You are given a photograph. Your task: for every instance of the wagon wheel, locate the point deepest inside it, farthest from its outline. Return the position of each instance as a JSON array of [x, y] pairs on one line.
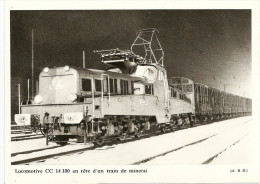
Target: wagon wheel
[[209, 119]]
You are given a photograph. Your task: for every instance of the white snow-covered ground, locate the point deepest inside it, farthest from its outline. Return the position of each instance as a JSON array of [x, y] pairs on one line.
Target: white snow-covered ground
[[17, 133], [61, 149], [237, 154], [128, 153], [201, 152], [26, 145]]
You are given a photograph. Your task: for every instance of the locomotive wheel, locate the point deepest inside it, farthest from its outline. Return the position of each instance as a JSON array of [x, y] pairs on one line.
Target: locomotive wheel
[[196, 121], [138, 134], [191, 123], [173, 126], [62, 141], [163, 129], [147, 125], [99, 141], [121, 137], [187, 121]]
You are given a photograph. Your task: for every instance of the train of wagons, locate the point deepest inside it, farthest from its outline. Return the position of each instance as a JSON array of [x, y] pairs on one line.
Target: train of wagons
[[129, 98]]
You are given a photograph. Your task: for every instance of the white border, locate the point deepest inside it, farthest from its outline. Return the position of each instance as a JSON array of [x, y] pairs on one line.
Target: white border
[[168, 173], [1, 91]]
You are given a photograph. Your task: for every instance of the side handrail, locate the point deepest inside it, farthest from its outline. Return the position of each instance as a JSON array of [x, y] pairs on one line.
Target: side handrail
[[102, 91], [93, 98]]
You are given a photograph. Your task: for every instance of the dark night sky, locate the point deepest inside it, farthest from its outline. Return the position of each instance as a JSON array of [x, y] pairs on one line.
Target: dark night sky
[[212, 47]]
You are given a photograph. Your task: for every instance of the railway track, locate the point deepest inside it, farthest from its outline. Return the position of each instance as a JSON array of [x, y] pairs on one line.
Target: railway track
[[171, 150], [207, 160], [38, 158], [26, 137], [51, 155], [32, 151], [109, 142]]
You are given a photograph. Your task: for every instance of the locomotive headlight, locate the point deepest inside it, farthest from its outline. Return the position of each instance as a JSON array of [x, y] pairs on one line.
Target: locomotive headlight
[[46, 69], [66, 68], [72, 97], [38, 99]]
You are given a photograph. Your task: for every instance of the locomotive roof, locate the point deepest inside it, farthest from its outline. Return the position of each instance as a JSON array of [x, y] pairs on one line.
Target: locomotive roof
[[201, 84], [97, 72], [221, 91]]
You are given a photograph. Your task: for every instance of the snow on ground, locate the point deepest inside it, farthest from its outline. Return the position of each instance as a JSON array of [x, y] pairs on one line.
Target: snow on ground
[[131, 152], [32, 144], [25, 134], [237, 154], [201, 152], [19, 146], [72, 146]]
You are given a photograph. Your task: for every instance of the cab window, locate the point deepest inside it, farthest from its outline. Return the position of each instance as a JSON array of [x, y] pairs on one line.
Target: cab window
[[180, 96], [86, 84], [132, 87], [113, 85], [124, 87], [149, 89], [173, 93], [98, 85]]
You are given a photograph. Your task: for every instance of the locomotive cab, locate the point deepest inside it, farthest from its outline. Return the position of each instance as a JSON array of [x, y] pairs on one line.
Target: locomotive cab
[[57, 85]]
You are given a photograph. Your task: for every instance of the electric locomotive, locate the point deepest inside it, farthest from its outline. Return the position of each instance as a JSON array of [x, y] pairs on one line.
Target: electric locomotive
[[129, 98]]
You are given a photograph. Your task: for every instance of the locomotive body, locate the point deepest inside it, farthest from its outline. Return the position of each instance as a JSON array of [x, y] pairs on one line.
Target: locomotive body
[[76, 100]]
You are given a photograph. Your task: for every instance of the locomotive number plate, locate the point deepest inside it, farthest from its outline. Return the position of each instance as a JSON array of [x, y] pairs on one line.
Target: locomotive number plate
[[56, 84], [143, 102]]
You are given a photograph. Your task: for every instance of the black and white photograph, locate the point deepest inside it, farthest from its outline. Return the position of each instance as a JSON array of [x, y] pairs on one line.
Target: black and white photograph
[[134, 87]]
